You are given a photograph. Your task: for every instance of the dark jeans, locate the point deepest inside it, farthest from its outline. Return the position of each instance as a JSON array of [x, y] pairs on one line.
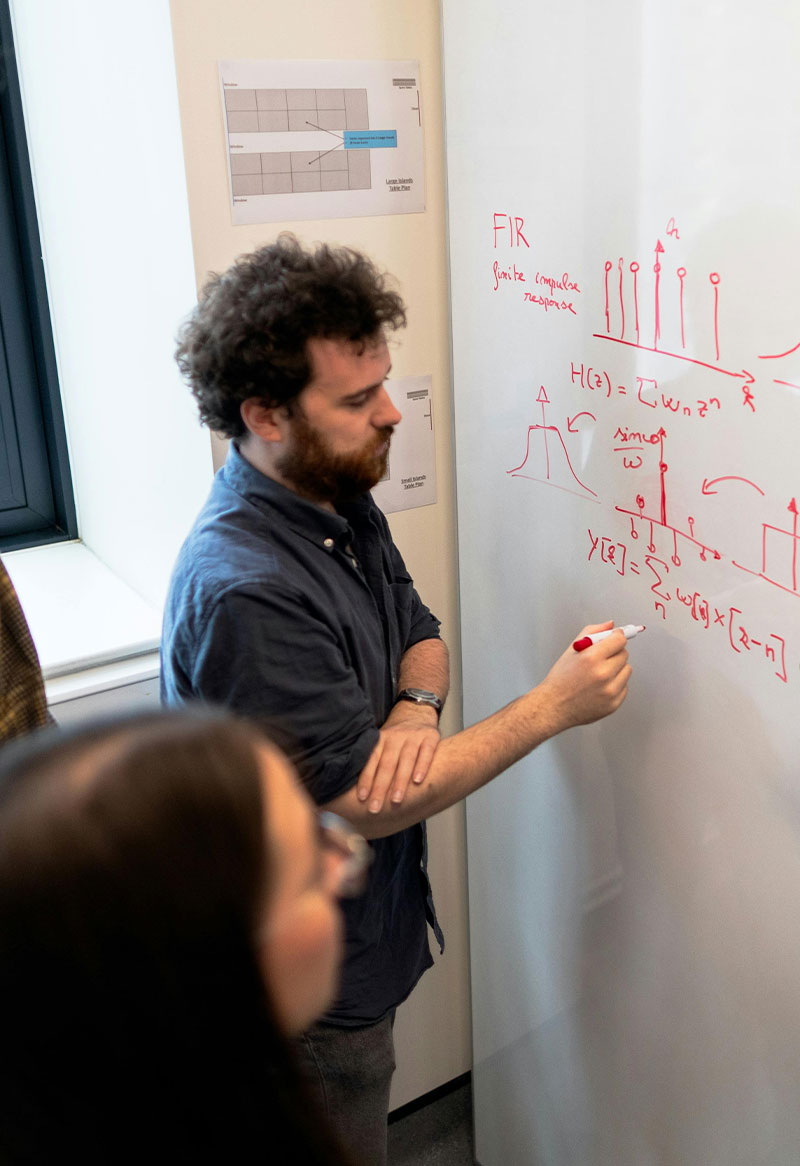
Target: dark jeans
[[350, 1070]]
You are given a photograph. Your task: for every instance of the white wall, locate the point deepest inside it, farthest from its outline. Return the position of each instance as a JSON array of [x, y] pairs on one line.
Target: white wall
[[433, 1036], [99, 97]]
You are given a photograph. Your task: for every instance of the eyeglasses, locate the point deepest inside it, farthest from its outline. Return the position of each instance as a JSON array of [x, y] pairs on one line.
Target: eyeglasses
[[338, 837]]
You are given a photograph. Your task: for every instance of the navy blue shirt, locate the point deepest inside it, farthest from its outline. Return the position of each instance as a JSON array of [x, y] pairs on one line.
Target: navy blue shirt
[[299, 618]]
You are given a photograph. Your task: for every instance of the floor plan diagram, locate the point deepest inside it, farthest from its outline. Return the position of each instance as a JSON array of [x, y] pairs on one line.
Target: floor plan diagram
[[322, 139], [339, 113]]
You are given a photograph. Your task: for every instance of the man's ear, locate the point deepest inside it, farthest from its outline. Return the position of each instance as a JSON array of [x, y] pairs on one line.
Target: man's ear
[[269, 422]]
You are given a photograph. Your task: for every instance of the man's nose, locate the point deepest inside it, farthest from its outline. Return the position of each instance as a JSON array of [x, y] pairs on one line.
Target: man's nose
[[385, 413]]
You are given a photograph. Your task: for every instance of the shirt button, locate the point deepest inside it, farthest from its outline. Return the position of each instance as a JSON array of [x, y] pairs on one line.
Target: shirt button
[[328, 544]]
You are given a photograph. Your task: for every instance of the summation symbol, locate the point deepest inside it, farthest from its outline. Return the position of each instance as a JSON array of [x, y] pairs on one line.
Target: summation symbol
[[538, 456], [671, 594]]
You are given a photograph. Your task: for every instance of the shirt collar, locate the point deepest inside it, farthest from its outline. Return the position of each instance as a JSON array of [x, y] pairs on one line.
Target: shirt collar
[[308, 519]]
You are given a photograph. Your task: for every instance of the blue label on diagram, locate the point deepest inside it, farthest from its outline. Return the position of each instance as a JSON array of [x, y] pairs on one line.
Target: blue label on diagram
[[370, 139]]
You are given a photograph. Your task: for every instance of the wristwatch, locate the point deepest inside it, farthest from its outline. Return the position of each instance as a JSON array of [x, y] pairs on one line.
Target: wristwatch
[[421, 696]]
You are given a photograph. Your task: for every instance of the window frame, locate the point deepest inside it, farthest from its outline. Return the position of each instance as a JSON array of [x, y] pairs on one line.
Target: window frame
[[31, 410]]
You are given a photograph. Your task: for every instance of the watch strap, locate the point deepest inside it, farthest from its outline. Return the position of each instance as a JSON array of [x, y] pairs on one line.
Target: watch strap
[[421, 696]]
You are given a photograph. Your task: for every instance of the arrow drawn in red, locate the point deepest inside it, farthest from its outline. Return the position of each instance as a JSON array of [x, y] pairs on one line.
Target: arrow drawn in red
[[707, 484], [571, 421]]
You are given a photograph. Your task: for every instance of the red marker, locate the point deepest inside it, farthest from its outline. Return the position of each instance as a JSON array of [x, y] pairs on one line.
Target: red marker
[[630, 630]]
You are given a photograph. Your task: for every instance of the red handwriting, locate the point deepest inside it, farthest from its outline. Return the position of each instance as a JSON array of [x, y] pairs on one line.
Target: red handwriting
[[608, 266], [547, 303], [657, 270], [507, 273], [561, 472], [714, 280], [598, 380], [780, 355], [670, 598], [779, 546], [681, 277], [667, 286], [743, 374], [709, 482], [674, 405], [639, 516], [632, 442], [590, 378], [624, 434], [503, 223], [564, 283], [571, 421], [635, 273]]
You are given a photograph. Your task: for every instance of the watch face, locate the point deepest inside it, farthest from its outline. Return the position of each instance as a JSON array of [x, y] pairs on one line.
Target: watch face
[[420, 695]]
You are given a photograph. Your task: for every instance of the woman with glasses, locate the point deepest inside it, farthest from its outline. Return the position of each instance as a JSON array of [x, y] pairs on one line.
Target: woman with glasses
[[168, 923]]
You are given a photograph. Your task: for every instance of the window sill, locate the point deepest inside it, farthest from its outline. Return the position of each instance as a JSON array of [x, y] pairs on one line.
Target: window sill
[[82, 616]]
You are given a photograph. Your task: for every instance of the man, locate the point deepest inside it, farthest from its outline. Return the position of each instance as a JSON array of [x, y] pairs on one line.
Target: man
[[291, 604]]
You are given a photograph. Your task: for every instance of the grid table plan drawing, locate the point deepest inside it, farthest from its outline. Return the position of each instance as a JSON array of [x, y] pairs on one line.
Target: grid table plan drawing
[[322, 139], [335, 112]]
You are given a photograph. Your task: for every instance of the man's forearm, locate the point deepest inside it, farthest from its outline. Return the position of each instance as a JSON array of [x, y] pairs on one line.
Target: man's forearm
[[462, 764], [426, 665], [409, 736], [576, 691]]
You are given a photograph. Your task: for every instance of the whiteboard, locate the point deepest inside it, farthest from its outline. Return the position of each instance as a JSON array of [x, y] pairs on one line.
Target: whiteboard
[[624, 205]]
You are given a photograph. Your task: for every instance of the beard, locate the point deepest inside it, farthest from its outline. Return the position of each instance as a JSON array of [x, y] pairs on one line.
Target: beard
[[311, 467]]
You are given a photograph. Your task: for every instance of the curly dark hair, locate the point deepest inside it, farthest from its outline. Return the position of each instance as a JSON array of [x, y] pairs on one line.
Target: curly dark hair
[[247, 336]]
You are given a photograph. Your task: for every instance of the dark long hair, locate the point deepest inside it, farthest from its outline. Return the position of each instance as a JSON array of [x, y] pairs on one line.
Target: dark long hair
[[134, 1021]]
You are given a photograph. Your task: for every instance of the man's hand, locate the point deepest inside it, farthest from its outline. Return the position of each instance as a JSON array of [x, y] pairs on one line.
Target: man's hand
[[585, 686], [405, 749]]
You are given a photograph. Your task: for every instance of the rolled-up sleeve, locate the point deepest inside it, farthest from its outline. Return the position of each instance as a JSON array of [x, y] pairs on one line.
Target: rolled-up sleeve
[[418, 620], [265, 654]]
